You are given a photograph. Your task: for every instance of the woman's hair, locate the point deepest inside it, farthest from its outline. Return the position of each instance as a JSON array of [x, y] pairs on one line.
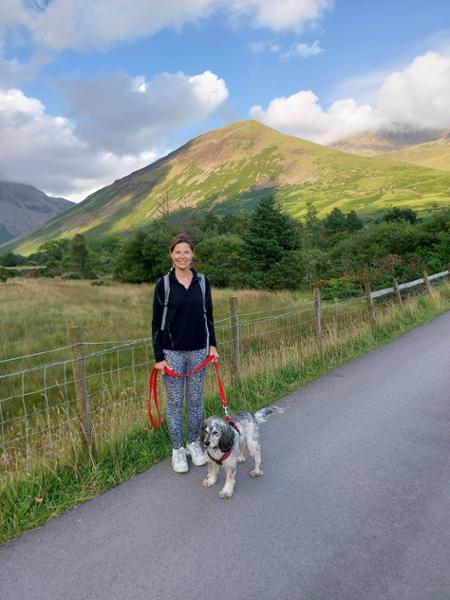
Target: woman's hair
[[180, 239]]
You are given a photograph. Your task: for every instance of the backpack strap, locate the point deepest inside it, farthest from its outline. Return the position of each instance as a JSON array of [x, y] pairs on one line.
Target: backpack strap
[[203, 288], [166, 300]]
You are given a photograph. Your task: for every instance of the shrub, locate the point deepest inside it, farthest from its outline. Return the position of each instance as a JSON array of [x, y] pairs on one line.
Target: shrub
[[339, 288]]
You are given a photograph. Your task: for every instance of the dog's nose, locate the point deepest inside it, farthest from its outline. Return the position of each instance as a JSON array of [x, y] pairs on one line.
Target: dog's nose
[[206, 443]]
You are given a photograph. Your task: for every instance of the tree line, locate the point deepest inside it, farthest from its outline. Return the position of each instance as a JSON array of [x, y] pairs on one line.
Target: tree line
[[264, 248]]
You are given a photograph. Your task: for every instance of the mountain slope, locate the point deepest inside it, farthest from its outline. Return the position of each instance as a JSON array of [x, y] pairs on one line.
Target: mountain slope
[[23, 208], [434, 154], [229, 168], [371, 143]]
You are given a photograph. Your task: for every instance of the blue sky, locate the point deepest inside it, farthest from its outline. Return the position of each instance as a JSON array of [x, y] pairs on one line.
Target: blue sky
[[93, 89]]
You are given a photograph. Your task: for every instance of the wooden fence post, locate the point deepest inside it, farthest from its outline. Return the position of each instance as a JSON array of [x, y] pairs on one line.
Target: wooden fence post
[[317, 315], [370, 304], [81, 389], [235, 350], [398, 295], [427, 282]]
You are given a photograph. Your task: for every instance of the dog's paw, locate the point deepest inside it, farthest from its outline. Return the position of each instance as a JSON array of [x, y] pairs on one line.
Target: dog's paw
[[224, 493], [256, 473], [208, 482]]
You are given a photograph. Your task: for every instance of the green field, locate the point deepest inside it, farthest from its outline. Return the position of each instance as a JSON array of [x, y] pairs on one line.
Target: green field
[[36, 314]]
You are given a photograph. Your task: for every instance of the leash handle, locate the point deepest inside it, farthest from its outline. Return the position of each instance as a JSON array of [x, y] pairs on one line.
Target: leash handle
[[153, 389], [198, 368]]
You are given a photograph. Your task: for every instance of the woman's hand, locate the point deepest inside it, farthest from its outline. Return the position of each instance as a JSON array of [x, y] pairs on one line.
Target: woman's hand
[[213, 352], [161, 365]]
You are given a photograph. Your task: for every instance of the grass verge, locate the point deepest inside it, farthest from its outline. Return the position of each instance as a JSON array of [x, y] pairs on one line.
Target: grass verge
[[32, 498]]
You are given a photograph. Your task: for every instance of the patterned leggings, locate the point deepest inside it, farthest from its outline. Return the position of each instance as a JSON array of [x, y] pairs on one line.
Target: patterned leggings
[[183, 361]]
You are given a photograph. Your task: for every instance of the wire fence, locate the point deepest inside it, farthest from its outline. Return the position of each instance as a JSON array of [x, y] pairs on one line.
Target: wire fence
[[44, 416]]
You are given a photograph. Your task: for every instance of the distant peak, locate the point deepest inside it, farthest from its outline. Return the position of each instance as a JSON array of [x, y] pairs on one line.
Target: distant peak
[[245, 125]]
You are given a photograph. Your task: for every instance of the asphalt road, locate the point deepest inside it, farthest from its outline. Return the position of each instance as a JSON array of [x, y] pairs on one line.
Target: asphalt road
[[354, 504]]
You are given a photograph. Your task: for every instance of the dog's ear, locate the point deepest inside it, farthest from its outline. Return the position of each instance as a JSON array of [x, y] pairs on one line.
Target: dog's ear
[[226, 438]]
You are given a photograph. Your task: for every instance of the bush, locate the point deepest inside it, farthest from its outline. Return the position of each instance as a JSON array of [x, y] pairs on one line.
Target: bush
[[288, 273], [341, 289], [220, 258]]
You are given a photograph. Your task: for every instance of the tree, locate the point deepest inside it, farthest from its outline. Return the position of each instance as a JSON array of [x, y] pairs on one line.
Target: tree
[[287, 274], [12, 260], [155, 253], [400, 214], [220, 258], [315, 263], [268, 236], [80, 259], [144, 257], [312, 227], [354, 223], [335, 221], [209, 224], [53, 253], [130, 265]]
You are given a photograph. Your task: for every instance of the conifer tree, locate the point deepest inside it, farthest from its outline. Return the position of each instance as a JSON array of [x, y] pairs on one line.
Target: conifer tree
[[269, 235]]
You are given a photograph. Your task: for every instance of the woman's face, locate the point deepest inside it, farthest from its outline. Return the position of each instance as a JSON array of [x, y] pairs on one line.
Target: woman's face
[[182, 256]]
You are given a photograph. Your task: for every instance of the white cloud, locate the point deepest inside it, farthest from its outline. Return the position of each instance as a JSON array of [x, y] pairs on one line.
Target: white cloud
[[86, 24], [301, 115], [420, 94], [11, 12], [114, 129], [123, 115], [303, 50], [83, 24], [281, 15], [416, 97], [299, 49]]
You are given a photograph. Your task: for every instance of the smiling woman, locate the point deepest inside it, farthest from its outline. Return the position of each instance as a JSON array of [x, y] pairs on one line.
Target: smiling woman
[[183, 336]]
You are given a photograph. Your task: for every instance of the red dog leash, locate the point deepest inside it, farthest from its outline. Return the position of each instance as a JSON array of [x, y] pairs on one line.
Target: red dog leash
[[153, 388]]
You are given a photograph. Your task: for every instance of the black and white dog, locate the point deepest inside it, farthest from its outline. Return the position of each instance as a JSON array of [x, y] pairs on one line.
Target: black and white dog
[[226, 443]]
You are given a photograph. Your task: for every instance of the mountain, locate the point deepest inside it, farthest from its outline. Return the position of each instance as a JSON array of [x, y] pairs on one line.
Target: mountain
[[426, 148], [435, 154], [231, 167], [23, 208], [371, 143]]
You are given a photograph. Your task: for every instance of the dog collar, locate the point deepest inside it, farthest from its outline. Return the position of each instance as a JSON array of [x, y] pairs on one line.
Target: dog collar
[[220, 460]]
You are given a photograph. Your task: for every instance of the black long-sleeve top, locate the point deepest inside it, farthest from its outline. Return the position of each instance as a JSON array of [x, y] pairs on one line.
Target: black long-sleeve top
[[185, 327]]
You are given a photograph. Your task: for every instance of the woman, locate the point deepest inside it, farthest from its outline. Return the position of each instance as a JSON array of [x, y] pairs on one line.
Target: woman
[[183, 336]]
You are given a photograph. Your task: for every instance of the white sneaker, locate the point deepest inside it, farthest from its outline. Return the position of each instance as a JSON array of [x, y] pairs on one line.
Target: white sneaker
[[198, 455], [179, 461]]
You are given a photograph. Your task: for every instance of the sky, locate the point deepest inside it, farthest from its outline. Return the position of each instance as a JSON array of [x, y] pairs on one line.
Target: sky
[[91, 90]]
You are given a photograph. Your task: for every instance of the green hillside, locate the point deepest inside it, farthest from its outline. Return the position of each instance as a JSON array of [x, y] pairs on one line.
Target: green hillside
[[435, 155], [229, 168]]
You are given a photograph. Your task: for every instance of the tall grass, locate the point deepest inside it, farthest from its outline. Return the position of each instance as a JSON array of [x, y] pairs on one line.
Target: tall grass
[[278, 356], [38, 410]]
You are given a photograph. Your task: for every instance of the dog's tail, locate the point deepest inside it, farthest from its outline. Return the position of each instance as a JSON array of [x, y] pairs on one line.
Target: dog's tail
[[261, 415]]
